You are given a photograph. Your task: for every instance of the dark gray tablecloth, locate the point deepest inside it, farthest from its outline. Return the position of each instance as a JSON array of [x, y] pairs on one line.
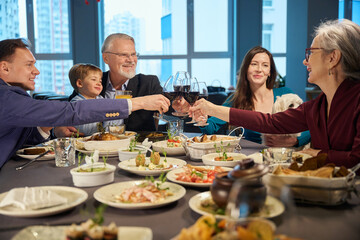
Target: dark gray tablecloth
[[304, 221]]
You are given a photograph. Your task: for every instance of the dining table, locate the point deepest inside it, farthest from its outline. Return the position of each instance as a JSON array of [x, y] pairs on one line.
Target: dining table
[[300, 220]]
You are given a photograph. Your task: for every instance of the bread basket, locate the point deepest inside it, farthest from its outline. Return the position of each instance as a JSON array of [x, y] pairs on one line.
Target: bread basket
[[313, 190], [195, 150]]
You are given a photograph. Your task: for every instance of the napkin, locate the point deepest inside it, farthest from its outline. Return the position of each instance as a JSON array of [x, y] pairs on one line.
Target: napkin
[[93, 158], [32, 198], [147, 143]]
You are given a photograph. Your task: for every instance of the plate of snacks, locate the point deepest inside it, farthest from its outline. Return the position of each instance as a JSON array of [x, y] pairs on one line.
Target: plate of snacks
[[211, 228], [142, 194], [203, 204], [151, 166], [314, 181], [195, 176], [85, 230], [33, 152]]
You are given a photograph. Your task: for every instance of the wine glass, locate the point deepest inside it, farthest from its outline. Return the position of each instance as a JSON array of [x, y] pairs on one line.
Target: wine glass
[[192, 95], [181, 85], [203, 90], [169, 93]]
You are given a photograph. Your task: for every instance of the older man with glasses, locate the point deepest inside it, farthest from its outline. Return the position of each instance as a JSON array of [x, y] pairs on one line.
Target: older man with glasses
[[118, 52]]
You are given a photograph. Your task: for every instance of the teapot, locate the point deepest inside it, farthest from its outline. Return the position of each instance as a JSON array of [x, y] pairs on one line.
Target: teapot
[[252, 190]]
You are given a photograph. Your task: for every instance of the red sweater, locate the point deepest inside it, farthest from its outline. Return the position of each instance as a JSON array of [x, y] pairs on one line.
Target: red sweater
[[338, 136]]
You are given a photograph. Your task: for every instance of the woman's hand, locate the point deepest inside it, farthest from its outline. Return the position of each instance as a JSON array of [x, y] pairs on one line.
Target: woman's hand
[[203, 108]]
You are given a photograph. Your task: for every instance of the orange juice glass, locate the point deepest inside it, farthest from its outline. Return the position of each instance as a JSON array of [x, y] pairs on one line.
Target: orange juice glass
[[121, 94]]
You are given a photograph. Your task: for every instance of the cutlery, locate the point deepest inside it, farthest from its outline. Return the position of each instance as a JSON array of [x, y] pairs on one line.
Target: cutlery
[[33, 160]]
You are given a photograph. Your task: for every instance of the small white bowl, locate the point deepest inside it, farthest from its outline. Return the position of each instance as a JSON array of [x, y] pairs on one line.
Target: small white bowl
[[126, 155], [91, 179], [209, 159]]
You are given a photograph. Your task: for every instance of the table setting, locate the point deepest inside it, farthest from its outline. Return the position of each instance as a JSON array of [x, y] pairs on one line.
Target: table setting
[[189, 183]]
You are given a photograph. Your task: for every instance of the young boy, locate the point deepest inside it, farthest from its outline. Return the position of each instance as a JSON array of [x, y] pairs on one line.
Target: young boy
[[86, 78]]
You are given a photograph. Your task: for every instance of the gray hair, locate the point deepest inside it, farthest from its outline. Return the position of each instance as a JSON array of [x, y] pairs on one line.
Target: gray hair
[[109, 40], [343, 35]]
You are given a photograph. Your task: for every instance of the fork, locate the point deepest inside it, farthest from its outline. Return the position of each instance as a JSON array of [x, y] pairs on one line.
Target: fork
[[33, 160]]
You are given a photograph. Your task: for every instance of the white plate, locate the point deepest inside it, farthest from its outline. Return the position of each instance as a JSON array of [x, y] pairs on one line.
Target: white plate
[[209, 159], [48, 156], [172, 177], [75, 197], [58, 233], [161, 146], [106, 195], [272, 208], [130, 166], [101, 153]]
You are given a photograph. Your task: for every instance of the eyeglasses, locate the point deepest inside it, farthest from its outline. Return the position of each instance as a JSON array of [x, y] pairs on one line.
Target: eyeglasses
[[308, 52], [126, 55]]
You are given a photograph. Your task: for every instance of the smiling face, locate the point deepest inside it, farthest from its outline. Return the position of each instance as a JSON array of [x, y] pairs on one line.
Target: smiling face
[[20, 70], [259, 69], [124, 67], [90, 86], [316, 64]]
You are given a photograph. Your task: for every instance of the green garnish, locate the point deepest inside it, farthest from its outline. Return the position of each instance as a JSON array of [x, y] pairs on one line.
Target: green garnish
[[99, 214]]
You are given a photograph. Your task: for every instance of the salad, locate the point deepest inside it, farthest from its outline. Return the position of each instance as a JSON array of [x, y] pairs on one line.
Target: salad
[[197, 174], [148, 191]]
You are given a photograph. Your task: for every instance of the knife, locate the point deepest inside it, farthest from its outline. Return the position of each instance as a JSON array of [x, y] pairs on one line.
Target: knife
[[33, 160]]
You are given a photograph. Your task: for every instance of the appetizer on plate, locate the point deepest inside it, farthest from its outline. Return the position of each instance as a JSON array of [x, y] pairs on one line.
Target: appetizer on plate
[[91, 230], [154, 163], [146, 192], [207, 227], [174, 142], [32, 152], [198, 174]]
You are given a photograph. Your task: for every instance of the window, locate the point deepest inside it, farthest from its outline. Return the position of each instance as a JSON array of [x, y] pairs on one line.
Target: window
[[49, 34], [267, 3], [12, 20], [274, 32], [177, 35], [356, 11], [266, 35], [350, 9]]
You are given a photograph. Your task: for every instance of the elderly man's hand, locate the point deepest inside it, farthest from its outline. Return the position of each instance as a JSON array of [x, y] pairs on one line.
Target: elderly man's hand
[[152, 103], [66, 132]]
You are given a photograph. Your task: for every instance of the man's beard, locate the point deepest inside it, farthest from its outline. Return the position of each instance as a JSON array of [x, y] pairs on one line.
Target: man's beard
[[129, 74]]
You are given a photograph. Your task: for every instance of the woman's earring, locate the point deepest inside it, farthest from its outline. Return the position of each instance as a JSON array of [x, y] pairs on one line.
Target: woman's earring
[[329, 72]]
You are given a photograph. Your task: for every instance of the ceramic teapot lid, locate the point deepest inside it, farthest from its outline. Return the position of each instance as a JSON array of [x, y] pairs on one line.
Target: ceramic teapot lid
[[248, 169]]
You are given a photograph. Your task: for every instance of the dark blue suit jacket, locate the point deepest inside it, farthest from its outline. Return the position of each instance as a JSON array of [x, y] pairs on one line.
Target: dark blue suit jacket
[[20, 115]]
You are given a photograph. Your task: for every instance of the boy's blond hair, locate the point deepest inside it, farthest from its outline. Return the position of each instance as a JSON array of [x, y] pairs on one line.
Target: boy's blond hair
[[80, 71]]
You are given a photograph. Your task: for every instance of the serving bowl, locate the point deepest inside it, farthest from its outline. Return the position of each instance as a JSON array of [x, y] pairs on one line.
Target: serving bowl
[[125, 154], [195, 150], [83, 176], [312, 190], [103, 145]]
